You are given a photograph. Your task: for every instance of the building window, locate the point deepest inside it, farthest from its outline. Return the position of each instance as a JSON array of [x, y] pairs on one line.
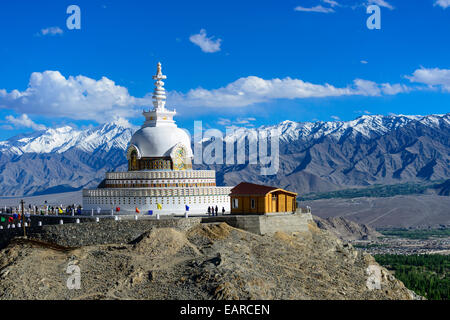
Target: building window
[[252, 201], [235, 203]]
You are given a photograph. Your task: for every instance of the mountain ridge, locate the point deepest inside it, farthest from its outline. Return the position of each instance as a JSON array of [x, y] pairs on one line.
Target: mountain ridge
[[314, 156]]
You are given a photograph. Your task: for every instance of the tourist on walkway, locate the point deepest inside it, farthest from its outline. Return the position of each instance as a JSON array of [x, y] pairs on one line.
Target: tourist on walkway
[[217, 211], [223, 210], [209, 211]]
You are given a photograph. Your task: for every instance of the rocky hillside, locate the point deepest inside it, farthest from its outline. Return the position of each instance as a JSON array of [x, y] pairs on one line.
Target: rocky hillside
[[345, 229], [314, 157], [443, 189], [212, 261]]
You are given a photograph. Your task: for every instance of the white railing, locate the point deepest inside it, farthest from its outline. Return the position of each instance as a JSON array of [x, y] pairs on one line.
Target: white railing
[[130, 175]]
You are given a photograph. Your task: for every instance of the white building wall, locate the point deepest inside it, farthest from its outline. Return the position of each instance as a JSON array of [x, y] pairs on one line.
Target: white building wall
[[170, 205], [172, 199]]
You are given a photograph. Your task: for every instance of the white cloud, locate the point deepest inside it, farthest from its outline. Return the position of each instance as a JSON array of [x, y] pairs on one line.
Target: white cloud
[[356, 5], [364, 62], [335, 118], [245, 120], [207, 45], [381, 3], [363, 111], [24, 122], [224, 122], [367, 88], [229, 123], [250, 90], [52, 31], [370, 88], [331, 3], [125, 123], [442, 3], [82, 98], [318, 8], [432, 77], [393, 89]]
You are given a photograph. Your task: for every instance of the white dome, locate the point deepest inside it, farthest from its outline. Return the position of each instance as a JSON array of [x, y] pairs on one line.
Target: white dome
[[153, 142]]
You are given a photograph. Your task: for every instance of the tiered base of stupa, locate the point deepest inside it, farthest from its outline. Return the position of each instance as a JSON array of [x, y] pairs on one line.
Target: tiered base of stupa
[[164, 192]]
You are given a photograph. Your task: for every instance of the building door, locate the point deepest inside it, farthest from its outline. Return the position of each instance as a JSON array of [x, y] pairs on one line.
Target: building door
[[274, 203]]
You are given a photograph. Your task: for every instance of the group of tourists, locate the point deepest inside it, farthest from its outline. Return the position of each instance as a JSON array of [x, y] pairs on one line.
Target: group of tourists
[[215, 211]]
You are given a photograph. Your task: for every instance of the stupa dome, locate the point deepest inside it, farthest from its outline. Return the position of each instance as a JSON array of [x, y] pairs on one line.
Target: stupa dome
[[155, 142]]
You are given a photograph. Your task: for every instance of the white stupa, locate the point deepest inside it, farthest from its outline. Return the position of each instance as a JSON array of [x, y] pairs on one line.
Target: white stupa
[[160, 178]]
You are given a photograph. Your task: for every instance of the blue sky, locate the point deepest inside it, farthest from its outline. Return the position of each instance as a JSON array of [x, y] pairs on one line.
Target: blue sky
[[227, 62]]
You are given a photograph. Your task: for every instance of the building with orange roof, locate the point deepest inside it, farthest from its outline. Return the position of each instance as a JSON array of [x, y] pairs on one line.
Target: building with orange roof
[[250, 198]]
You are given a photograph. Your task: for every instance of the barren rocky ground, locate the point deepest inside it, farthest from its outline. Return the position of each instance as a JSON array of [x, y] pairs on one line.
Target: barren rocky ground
[[209, 261], [345, 229]]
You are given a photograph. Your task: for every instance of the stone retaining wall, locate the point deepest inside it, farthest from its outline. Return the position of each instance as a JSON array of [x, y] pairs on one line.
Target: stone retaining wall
[[266, 224]]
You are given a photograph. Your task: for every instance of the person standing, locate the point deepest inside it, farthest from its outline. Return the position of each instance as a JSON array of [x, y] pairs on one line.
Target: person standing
[[223, 210], [217, 210], [209, 211]]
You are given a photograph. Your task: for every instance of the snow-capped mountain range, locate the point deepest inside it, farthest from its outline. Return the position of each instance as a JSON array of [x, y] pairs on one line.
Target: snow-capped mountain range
[[366, 126], [60, 140], [314, 156]]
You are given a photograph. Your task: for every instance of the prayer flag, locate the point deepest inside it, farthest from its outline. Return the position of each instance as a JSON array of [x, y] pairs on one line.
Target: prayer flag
[[159, 206]]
